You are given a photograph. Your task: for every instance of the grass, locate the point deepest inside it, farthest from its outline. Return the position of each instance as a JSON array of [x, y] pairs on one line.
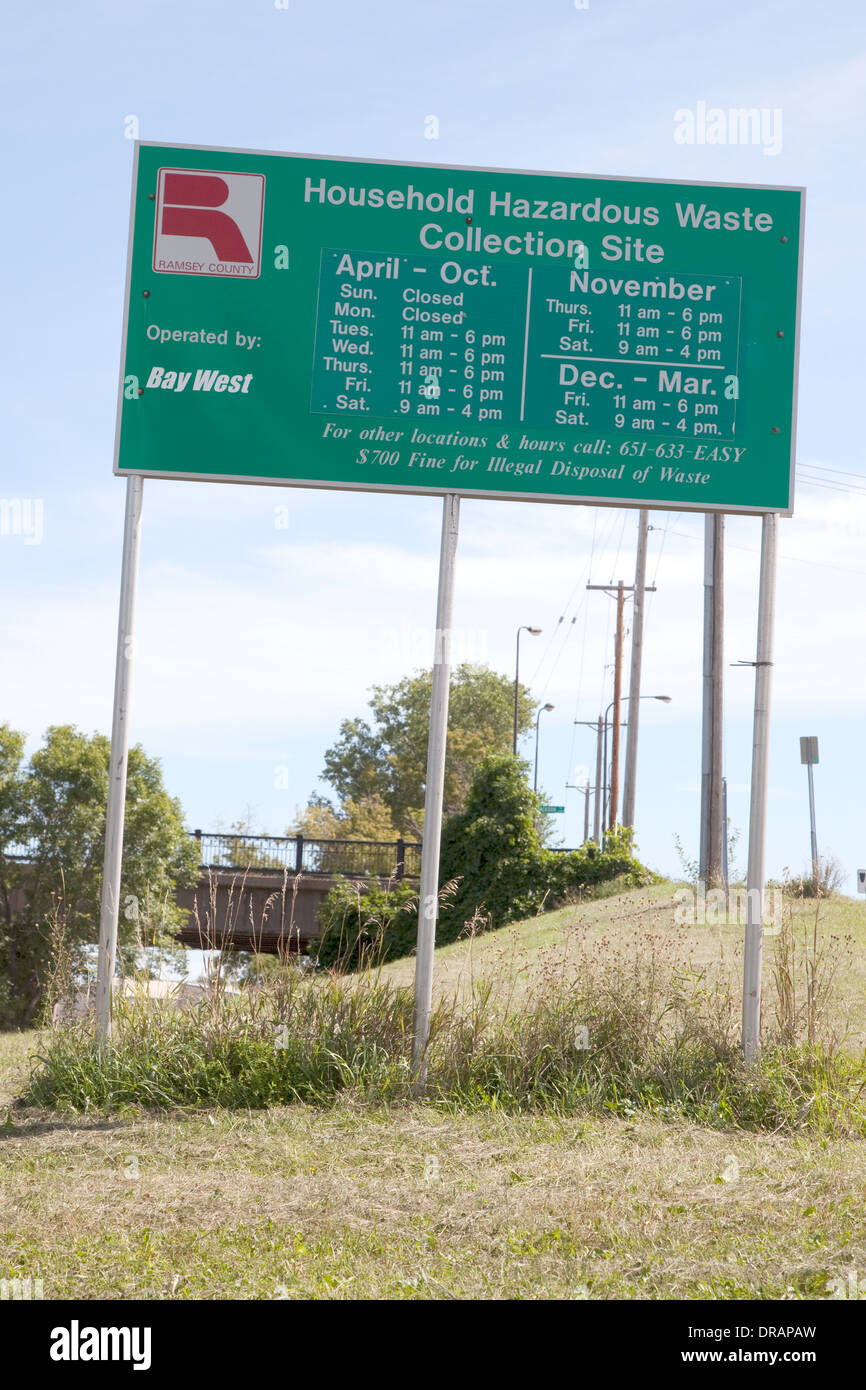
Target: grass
[[365, 1197], [415, 1203]]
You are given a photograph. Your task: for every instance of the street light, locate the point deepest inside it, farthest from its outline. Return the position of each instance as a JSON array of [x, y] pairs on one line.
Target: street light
[[537, 718], [534, 632]]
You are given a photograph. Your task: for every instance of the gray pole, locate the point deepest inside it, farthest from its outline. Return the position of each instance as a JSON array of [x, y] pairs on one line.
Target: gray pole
[[110, 909], [812, 825], [628, 798], [599, 791], [758, 803], [586, 813], [428, 902], [516, 688], [604, 776], [726, 873], [707, 715], [715, 830]]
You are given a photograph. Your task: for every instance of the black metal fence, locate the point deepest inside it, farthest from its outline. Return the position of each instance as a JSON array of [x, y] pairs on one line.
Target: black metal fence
[[296, 854]]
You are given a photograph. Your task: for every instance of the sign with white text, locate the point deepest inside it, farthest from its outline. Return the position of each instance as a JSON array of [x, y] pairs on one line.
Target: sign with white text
[[423, 328]]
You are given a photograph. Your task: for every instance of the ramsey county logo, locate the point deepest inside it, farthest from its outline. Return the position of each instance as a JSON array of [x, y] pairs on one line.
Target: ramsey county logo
[[208, 223]]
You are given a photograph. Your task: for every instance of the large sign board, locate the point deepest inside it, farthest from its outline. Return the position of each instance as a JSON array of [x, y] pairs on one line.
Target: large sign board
[[423, 328]]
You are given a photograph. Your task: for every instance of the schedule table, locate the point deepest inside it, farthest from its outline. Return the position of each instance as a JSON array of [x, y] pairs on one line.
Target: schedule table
[[613, 350]]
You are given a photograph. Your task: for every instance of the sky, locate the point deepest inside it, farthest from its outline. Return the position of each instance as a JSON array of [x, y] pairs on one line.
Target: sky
[[255, 638]]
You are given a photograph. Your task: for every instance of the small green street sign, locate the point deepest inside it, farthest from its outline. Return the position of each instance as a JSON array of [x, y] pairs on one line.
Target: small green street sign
[[551, 810], [425, 328]]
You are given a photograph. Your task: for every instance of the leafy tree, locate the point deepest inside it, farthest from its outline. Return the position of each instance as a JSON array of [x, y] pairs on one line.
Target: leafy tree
[[493, 846], [367, 819], [387, 758], [52, 812]]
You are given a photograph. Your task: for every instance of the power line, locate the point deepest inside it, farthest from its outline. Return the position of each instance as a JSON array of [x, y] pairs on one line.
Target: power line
[[825, 468]]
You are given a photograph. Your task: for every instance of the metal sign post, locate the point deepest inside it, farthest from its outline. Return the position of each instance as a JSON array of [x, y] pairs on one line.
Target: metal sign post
[[118, 759], [809, 756], [758, 803], [428, 901]]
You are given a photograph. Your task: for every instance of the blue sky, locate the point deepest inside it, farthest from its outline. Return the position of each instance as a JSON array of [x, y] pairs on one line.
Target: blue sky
[[254, 641]]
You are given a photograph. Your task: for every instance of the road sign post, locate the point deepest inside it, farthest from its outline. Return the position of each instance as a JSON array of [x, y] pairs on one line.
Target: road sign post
[[115, 814], [756, 874], [809, 756], [428, 899]]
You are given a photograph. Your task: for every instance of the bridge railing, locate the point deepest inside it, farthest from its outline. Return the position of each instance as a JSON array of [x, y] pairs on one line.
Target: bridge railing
[[296, 854]]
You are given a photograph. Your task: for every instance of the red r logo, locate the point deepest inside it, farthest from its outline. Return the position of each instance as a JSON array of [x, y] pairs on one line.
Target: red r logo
[[190, 203]]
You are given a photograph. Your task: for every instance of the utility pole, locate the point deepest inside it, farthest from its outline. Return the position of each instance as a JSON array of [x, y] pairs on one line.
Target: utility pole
[[628, 798], [712, 815], [620, 590], [617, 699]]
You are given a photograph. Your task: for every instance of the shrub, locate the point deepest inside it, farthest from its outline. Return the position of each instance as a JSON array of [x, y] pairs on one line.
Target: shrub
[[494, 851], [365, 923]]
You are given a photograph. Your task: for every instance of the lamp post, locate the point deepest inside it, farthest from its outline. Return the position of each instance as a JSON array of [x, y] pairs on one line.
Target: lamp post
[[544, 708], [614, 787], [534, 632]]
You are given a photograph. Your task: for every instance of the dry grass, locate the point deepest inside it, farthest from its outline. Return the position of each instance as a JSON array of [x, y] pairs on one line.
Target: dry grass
[[520, 956], [415, 1204]]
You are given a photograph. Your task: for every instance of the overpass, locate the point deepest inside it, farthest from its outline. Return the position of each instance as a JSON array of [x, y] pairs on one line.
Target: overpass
[[262, 892]]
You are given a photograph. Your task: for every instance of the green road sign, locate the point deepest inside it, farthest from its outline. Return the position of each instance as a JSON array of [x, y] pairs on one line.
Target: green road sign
[[422, 328], [551, 810]]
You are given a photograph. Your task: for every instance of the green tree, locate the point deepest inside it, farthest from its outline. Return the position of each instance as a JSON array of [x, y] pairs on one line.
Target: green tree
[[387, 758], [493, 847], [52, 812], [367, 819]]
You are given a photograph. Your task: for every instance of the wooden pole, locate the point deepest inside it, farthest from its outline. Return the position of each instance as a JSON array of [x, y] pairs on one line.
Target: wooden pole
[[617, 703], [630, 783]]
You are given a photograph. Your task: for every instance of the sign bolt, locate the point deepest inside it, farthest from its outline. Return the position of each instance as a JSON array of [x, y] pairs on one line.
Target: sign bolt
[[780, 334], [781, 238], [145, 294], [775, 429]]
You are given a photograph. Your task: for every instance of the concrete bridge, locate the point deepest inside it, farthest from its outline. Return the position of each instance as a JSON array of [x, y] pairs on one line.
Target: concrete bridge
[[262, 892]]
